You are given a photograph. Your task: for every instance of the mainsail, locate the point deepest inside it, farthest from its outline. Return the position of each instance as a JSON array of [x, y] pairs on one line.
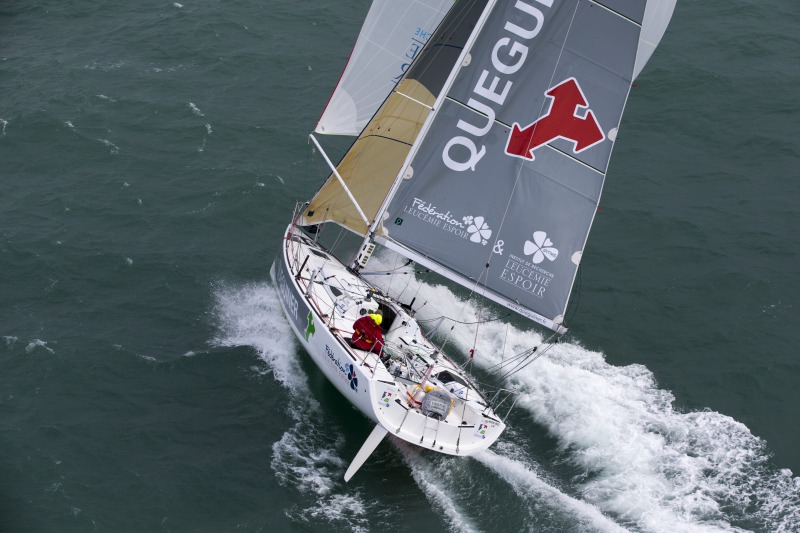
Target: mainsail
[[487, 161], [392, 35]]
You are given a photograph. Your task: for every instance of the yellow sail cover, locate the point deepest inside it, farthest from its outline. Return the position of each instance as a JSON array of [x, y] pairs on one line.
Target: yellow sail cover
[[373, 162]]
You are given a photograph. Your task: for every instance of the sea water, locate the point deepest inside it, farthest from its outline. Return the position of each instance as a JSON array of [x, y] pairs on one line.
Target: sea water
[[151, 154]]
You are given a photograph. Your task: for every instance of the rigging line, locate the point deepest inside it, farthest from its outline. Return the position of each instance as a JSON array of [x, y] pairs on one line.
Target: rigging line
[[517, 361], [505, 342], [305, 176], [446, 338], [338, 239], [390, 271], [324, 282], [461, 322], [475, 338], [527, 361], [318, 233], [481, 309], [522, 364], [497, 366], [408, 282], [479, 306], [577, 300], [493, 387], [522, 354], [416, 294], [463, 337], [472, 291], [393, 273]]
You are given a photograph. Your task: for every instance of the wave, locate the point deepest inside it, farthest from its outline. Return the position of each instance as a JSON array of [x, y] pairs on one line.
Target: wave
[[644, 462], [529, 485], [308, 457], [305, 458], [38, 345], [432, 478]]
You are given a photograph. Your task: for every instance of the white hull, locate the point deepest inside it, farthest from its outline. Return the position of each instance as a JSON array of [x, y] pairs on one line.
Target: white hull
[[321, 299]]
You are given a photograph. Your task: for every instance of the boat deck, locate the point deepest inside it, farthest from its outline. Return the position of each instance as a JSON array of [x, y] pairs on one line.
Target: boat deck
[[432, 397]]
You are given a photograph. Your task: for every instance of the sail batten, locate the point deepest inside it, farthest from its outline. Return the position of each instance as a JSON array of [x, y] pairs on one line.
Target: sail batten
[[633, 10], [415, 100], [622, 14]]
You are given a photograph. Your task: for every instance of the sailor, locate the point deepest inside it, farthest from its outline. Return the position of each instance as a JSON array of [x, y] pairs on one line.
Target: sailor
[[367, 333]]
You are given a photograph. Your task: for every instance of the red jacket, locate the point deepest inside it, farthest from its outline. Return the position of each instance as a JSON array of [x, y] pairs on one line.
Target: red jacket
[[367, 335]]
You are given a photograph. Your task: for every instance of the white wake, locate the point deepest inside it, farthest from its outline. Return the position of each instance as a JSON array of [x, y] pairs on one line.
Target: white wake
[[650, 466], [308, 457]]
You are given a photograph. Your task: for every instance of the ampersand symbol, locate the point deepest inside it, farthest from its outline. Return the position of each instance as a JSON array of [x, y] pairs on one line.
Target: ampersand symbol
[[498, 247]]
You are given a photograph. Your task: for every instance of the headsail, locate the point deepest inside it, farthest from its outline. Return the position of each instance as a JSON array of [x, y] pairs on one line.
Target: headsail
[[392, 35], [657, 15], [505, 183], [375, 159]]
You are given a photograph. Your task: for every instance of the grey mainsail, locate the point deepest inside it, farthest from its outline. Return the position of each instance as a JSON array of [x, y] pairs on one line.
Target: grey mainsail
[[505, 183]]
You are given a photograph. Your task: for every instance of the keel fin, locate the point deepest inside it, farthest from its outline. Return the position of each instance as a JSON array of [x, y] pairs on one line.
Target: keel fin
[[366, 450]]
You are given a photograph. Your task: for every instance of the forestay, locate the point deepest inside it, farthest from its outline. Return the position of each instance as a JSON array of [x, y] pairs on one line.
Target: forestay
[[392, 35], [504, 182]]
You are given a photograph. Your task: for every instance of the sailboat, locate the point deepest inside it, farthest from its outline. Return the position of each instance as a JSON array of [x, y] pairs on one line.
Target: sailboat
[[483, 131]]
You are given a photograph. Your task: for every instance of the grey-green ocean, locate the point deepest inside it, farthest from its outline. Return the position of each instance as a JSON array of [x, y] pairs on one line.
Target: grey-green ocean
[[151, 154]]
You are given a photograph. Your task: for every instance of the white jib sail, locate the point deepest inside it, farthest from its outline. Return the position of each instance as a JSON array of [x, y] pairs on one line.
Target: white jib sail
[[657, 15], [393, 33]]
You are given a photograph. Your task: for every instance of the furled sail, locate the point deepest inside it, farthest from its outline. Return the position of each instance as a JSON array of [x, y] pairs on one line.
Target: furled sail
[[503, 184], [657, 15], [375, 159], [392, 35]]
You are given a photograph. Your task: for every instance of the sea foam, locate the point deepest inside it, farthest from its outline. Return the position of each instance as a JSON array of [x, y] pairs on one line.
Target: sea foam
[[306, 457], [646, 463]]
